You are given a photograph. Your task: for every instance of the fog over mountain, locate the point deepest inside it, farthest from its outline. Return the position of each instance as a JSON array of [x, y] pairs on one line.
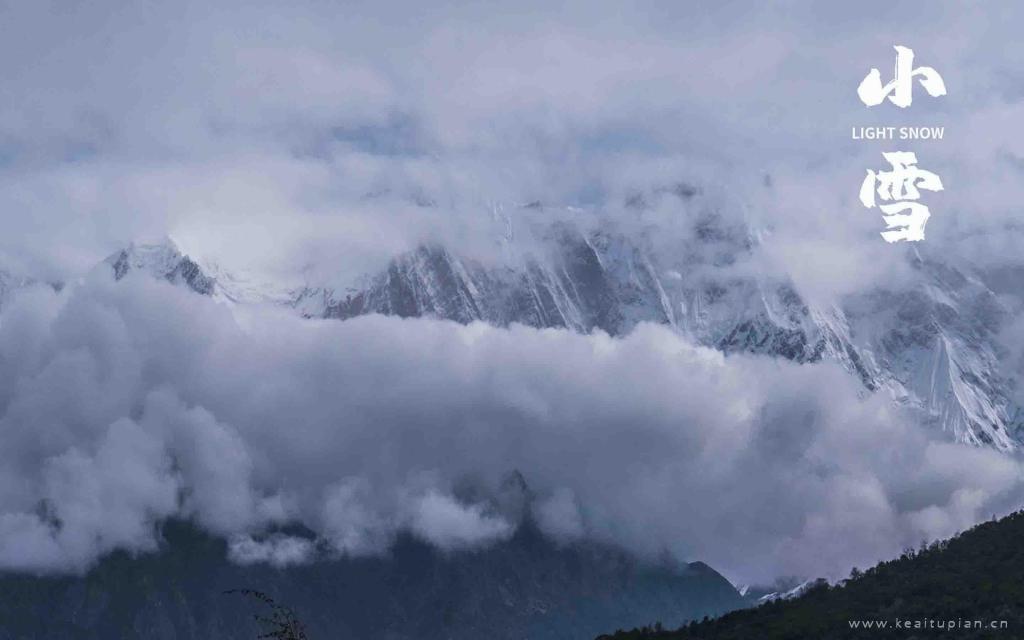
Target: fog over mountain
[[129, 401], [419, 251]]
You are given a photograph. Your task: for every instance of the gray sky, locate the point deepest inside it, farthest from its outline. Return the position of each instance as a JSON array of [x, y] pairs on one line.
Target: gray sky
[[252, 132]]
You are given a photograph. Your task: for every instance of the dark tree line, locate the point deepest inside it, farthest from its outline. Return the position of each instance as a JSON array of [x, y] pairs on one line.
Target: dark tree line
[[975, 576]]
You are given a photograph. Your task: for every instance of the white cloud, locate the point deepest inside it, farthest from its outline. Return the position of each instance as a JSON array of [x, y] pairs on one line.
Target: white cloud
[[277, 551], [125, 403], [451, 525], [350, 521], [213, 455], [90, 503], [558, 515]]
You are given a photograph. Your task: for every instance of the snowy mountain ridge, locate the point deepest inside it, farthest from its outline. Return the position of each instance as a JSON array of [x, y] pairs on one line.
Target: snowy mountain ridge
[[161, 260], [931, 348]]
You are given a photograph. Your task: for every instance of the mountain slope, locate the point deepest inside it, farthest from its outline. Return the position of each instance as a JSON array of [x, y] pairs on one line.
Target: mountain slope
[[526, 587], [931, 346], [161, 260], [973, 577]]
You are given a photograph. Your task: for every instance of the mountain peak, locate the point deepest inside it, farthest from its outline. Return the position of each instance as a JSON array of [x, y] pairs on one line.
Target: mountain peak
[[929, 344], [160, 259]]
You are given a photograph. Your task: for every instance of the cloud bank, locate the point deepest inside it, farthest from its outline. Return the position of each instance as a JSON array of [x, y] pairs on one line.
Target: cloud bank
[[124, 404]]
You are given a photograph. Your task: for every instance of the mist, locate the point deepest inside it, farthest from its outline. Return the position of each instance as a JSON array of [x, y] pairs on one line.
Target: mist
[[127, 403]]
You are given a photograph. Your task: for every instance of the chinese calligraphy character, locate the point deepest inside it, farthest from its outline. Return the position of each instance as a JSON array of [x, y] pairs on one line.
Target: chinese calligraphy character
[[900, 187], [872, 92]]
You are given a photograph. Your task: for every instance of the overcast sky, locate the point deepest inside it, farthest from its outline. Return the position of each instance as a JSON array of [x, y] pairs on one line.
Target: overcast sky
[[253, 132], [298, 138]]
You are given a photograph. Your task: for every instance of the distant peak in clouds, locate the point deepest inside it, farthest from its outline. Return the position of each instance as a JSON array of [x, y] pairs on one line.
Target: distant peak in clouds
[[162, 259]]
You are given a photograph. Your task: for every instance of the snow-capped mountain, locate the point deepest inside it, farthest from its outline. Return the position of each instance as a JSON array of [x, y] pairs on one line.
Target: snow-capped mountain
[[164, 260], [160, 260], [934, 347], [930, 347]]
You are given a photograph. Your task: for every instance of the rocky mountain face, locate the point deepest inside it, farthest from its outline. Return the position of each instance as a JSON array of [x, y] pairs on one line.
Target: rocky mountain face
[[162, 260], [526, 587], [935, 348], [931, 347]]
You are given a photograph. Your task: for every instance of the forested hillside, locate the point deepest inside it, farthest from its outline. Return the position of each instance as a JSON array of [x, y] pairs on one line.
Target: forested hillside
[[971, 586]]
